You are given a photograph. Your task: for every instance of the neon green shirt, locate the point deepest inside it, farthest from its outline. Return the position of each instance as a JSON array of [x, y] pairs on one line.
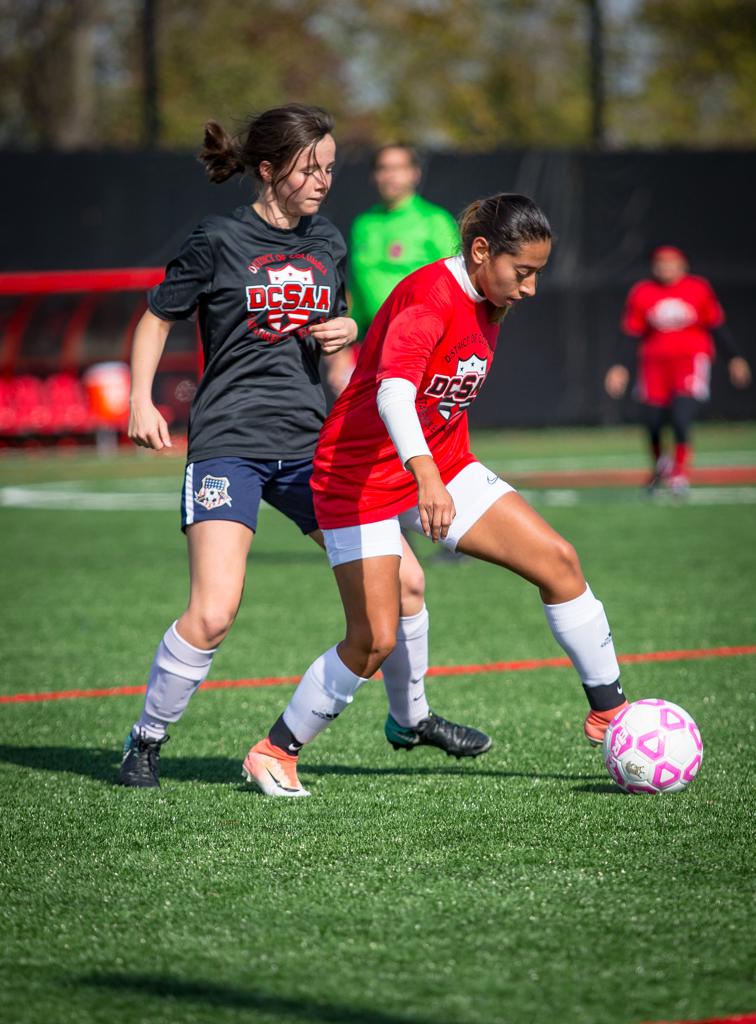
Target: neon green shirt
[[386, 245]]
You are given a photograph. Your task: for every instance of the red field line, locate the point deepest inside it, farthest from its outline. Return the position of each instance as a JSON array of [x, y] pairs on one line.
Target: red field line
[[434, 670], [717, 475], [739, 1018]]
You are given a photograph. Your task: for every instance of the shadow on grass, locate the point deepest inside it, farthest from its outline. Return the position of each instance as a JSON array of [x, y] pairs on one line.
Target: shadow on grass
[[244, 999], [442, 769], [101, 763], [600, 787]]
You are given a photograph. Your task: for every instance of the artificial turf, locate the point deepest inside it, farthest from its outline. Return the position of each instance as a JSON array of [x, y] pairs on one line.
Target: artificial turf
[[520, 887]]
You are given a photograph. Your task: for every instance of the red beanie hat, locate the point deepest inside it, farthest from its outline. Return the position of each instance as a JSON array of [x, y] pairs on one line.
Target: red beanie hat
[[668, 250]]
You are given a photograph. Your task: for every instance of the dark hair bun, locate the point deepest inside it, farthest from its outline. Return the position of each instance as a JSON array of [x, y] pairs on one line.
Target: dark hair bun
[[219, 154]]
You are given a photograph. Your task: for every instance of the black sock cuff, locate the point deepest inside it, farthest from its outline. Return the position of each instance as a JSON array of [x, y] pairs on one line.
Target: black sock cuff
[[282, 737], [604, 698]]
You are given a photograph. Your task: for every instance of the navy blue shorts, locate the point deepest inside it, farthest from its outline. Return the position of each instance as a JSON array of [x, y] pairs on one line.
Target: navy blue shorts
[[232, 488]]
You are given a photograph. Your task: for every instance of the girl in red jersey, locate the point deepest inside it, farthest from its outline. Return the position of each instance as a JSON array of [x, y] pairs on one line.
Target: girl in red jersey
[[395, 452], [676, 318]]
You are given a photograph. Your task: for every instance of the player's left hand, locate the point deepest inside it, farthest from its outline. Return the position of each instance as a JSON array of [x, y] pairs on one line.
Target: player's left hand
[[333, 335], [740, 372]]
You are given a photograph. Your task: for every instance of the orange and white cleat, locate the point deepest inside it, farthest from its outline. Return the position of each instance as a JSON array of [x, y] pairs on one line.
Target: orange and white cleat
[[597, 722], [273, 771]]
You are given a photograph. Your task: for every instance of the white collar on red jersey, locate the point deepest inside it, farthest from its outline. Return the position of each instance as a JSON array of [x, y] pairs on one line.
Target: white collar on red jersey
[[456, 267]]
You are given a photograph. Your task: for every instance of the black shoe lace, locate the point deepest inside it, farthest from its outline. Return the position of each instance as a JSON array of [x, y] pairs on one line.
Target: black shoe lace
[[152, 749]]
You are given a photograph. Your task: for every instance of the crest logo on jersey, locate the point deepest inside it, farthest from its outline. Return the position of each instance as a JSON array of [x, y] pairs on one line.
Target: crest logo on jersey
[[672, 315], [289, 299], [213, 493], [457, 393]]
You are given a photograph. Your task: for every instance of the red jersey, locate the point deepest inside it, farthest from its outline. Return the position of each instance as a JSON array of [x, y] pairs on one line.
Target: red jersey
[[673, 319], [428, 331]]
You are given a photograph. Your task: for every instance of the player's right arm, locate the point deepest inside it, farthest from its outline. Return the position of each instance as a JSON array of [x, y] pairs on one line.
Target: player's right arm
[[147, 427], [634, 326], [187, 277], [616, 380]]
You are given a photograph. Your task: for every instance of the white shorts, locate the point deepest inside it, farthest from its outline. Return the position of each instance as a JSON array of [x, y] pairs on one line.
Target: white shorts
[[474, 489]]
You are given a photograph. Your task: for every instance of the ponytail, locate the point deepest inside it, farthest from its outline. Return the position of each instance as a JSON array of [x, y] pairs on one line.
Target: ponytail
[[220, 154], [468, 222]]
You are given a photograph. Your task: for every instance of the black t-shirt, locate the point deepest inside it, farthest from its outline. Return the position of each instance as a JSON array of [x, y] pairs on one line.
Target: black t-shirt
[[256, 288]]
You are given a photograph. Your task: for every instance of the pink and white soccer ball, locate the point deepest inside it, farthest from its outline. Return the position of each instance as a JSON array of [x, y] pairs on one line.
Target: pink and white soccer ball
[[653, 746]]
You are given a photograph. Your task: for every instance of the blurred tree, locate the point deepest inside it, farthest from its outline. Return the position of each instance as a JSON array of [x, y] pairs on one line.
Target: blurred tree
[[65, 67], [694, 76], [469, 74], [47, 50], [150, 72], [226, 59], [597, 79]]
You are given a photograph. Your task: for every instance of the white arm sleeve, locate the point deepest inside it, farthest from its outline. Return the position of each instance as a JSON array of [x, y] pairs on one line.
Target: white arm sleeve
[[396, 407]]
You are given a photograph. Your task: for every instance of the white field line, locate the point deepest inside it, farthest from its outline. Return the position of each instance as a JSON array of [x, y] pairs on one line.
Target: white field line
[[550, 463], [722, 496], [695, 496], [87, 501], [73, 496]]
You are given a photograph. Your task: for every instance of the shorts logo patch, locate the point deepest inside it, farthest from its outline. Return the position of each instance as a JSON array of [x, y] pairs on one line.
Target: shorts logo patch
[[213, 493]]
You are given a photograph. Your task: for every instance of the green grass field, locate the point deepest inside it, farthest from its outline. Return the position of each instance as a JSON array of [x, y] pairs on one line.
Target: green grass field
[[410, 889]]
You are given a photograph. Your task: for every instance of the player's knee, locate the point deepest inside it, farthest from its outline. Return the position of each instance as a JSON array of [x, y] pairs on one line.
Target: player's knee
[[369, 648], [375, 653], [213, 624], [565, 563], [412, 581]]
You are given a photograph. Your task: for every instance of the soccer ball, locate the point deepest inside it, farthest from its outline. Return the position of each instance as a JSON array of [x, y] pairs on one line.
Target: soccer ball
[[653, 746]]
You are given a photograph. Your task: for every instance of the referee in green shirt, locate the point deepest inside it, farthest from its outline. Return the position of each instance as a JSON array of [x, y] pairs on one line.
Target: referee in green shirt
[[396, 236]]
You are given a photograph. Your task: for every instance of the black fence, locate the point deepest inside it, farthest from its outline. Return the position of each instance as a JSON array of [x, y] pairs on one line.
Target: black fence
[[111, 209]]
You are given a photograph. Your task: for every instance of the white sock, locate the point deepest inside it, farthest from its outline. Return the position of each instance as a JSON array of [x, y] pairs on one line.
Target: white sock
[[326, 688], [404, 671], [176, 671], [580, 627]]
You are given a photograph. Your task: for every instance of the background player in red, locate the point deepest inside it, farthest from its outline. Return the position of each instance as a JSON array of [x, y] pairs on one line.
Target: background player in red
[[267, 282], [395, 452], [674, 316]]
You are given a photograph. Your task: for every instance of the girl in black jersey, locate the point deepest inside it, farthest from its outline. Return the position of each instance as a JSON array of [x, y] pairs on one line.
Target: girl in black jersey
[[267, 284]]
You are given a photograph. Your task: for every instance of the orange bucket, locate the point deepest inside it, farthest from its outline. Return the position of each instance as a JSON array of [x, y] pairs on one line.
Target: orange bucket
[[107, 387]]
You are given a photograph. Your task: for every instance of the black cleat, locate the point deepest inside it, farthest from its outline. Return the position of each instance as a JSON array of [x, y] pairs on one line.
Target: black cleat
[[140, 766], [435, 731]]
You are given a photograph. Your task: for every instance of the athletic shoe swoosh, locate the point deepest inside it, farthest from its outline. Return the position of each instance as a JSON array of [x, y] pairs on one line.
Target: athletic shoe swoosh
[[287, 789]]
